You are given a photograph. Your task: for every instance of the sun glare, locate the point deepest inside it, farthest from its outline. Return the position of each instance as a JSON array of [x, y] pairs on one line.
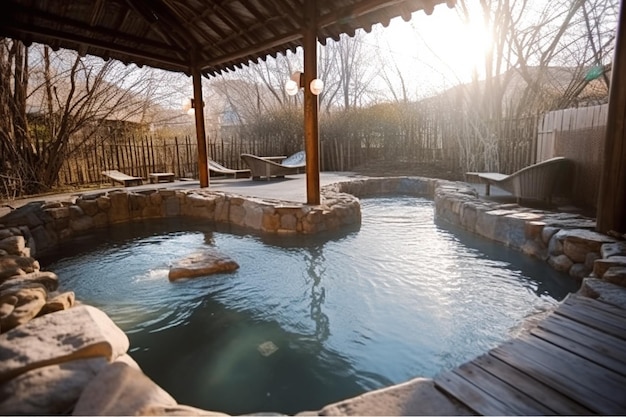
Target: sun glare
[[441, 48]]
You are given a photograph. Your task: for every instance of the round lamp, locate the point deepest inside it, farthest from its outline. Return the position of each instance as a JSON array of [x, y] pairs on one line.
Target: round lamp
[[317, 86], [291, 87]]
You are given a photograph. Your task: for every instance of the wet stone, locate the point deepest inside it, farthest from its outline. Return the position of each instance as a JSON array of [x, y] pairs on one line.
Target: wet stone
[[613, 249], [202, 263]]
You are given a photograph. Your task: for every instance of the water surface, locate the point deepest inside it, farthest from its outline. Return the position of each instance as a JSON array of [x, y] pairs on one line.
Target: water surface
[[400, 297]]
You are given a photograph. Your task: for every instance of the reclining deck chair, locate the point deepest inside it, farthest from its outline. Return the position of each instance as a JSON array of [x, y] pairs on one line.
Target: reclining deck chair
[[261, 167], [117, 176], [532, 182], [222, 170]]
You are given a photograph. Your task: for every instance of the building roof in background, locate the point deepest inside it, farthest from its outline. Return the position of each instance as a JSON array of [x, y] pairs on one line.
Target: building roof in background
[[178, 35]]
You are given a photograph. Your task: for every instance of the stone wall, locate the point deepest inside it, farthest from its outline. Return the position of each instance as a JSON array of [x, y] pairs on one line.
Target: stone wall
[[60, 356], [566, 241], [45, 224]]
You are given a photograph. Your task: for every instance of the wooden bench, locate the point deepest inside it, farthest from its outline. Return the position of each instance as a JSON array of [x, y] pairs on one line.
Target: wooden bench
[[117, 176], [157, 177]]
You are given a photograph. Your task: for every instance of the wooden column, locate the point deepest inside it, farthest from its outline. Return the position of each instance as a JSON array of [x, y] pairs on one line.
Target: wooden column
[[203, 162], [612, 197], [311, 104]]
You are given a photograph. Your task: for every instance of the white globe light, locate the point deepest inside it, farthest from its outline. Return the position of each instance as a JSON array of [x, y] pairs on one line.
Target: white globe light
[[186, 104], [291, 87], [317, 86]]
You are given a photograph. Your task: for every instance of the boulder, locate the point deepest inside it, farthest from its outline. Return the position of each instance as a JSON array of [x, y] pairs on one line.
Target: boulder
[[50, 389], [77, 333], [560, 262], [7, 304], [603, 291], [14, 245], [206, 262], [616, 275], [581, 240], [119, 211], [58, 302], [28, 303], [16, 265], [122, 390], [181, 410], [613, 249], [46, 278], [600, 266], [416, 397]]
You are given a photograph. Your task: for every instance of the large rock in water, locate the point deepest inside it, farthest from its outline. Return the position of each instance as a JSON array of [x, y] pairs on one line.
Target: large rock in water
[[202, 263]]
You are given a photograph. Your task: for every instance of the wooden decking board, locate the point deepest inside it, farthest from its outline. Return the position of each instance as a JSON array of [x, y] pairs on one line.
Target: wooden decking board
[[593, 319], [582, 350], [518, 402], [579, 300], [561, 373], [572, 363], [606, 381], [550, 398], [603, 343], [472, 396]]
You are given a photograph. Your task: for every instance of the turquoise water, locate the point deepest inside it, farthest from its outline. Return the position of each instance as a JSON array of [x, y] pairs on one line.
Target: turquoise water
[[398, 298]]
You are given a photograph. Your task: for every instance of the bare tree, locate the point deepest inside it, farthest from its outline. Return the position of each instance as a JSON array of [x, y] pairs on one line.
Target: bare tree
[[347, 72], [542, 56], [52, 107]]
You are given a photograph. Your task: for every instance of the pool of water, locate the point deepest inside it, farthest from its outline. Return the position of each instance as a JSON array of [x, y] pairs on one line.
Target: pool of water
[[398, 298]]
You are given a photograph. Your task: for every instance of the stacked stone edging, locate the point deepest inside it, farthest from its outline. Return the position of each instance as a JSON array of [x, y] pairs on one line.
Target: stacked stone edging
[[45, 224], [60, 356], [566, 241]]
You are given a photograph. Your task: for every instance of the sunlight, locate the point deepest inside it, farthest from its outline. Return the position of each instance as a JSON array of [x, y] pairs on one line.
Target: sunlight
[[439, 49]]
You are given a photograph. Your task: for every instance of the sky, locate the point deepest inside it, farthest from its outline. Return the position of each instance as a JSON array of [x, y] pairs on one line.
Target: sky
[[436, 51]]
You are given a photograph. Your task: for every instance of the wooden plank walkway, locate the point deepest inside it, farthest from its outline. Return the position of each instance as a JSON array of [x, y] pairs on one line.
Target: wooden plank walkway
[[572, 363]]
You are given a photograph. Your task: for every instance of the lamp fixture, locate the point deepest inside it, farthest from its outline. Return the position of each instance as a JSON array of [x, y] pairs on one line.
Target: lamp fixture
[[316, 86], [296, 82], [189, 105]]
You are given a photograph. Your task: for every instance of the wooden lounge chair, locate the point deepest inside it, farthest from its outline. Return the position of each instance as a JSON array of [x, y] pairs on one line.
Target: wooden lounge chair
[[533, 182], [117, 176], [222, 170], [261, 167]]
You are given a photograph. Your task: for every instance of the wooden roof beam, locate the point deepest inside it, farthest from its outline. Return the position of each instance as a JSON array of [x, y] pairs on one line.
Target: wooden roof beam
[[272, 43], [96, 12], [164, 60], [95, 33], [165, 16], [238, 28], [266, 18]]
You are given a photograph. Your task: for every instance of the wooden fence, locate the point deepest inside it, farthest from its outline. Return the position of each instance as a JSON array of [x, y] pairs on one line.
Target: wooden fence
[[559, 122], [137, 156], [140, 156], [448, 144], [577, 134], [455, 144]]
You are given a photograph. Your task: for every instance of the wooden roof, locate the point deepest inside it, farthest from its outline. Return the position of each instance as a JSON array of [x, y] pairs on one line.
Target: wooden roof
[[177, 35]]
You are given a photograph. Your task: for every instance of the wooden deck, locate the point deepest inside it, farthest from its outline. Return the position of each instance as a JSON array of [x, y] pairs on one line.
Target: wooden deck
[[573, 363]]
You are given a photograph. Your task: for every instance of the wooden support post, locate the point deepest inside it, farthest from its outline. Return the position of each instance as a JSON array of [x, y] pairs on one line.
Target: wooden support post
[[311, 103], [612, 198], [203, 162]]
